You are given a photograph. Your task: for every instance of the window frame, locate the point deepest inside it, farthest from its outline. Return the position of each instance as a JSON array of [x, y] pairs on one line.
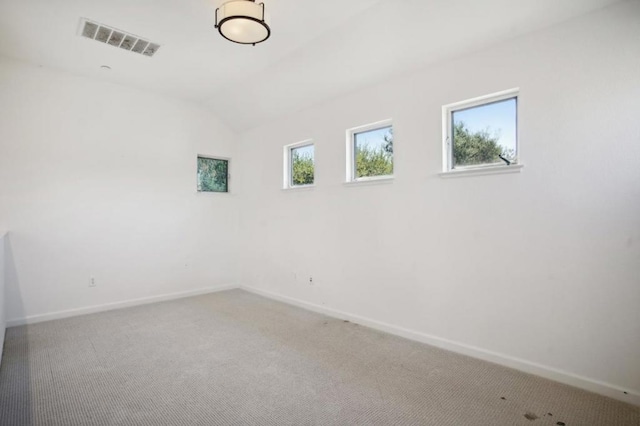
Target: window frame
[[351, 168], [447, 133], [219, 158], [288, 164]]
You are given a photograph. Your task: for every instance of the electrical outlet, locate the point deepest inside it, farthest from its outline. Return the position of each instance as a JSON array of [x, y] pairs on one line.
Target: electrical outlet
[[310, 280], [92, 282]]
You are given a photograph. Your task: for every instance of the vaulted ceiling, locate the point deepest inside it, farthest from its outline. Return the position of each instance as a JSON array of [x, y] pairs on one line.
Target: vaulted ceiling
[[319, 49]]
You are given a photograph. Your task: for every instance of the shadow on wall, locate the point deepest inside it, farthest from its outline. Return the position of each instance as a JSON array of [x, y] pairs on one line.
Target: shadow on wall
[[15, 370], [13, 291]]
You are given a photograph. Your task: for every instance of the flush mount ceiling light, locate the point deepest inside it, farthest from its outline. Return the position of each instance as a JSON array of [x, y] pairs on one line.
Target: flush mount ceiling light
[[242, 21]]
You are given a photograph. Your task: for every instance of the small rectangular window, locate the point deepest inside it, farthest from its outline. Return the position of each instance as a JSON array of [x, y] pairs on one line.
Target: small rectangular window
[[482, 132], [370, 152], [213, 174], [299, 165]]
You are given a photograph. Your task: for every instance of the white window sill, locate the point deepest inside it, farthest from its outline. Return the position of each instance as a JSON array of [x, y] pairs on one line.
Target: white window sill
[[479, 171], [214, 192], [370, 181], [299, 188]]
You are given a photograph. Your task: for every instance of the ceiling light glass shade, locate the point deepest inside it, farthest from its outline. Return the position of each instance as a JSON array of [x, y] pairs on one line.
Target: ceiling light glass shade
[[242, 21]]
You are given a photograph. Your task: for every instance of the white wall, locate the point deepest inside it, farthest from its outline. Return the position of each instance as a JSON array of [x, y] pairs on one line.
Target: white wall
[[99, 180], [541, 267]]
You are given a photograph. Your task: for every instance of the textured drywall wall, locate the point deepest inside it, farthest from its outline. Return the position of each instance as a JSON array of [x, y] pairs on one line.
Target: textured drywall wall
[[541, 266], [99, 180]]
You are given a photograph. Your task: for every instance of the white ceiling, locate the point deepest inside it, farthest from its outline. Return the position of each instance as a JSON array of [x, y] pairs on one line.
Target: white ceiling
[[319, 49]]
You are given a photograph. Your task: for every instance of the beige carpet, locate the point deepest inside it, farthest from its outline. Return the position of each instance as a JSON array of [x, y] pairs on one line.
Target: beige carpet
[[234, 358]]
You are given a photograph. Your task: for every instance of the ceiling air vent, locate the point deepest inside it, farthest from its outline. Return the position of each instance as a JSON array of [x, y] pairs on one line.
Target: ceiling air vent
[[123, 40]]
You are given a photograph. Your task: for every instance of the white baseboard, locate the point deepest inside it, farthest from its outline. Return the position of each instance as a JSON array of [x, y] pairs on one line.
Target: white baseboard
[[602, 388], [32, 319]]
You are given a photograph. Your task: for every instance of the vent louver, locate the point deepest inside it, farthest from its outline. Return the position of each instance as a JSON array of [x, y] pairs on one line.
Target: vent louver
[[118, 38]]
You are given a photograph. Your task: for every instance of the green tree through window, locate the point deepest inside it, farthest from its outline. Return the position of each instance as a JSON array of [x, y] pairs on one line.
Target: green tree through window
[[302, 167], [480, 147], [374, 158], [484, 133], [213, 175]]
